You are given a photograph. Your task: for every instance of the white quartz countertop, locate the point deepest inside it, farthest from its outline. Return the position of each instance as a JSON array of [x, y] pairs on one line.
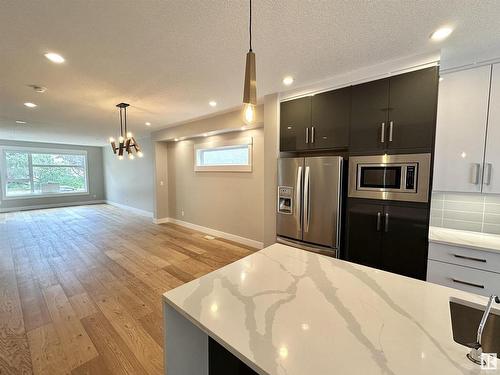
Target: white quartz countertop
[[463, 238], [287, 311]]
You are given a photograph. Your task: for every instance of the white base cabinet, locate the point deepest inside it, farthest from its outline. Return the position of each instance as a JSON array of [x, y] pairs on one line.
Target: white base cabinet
[[470, 270]]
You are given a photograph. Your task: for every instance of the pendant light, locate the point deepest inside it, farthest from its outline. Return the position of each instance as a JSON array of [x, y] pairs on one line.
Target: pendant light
[[250, 89], [126, 141]]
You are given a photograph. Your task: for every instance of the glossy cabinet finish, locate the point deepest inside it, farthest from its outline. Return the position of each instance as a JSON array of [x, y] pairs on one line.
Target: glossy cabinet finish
[[491, 180], [396, 113], [295, 122], [388, 237], [364, 233], [461, 130], [330, 119], [405, 243], [412, 110], [369, 116]]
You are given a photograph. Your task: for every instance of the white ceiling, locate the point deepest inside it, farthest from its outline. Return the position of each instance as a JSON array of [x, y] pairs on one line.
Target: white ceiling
[[168, 59]]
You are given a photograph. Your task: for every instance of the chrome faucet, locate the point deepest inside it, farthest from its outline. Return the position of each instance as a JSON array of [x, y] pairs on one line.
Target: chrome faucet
[[477, 350]]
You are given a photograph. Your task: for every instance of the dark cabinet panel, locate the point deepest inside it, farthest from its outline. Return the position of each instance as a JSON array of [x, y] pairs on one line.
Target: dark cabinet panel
[[295, 120], [364, 233], [412, 109], [369, 111], [404, 243], [222, 362], [330, 119]]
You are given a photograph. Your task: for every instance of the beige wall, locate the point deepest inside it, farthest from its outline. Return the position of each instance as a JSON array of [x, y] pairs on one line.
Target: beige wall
[[130, 182], [230, 202]]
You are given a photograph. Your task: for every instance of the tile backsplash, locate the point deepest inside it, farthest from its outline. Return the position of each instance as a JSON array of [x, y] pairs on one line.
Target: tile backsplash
[[473, 212]]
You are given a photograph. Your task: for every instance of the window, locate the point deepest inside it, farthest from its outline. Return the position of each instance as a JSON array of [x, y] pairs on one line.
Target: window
[[36, 172], [231, 156]]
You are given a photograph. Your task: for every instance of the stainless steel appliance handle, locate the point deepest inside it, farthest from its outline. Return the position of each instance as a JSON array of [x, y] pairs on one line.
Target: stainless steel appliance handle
[[312, 134], [298, 194], [469, 258], [307, 202], [391, 125], [307, 135], [379, 216], [386, 226], [475, 173], [382, 133], [467, 283], [487, 176]]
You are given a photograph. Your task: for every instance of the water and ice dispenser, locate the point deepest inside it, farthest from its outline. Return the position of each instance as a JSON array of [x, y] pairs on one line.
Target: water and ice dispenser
[[285, 200]]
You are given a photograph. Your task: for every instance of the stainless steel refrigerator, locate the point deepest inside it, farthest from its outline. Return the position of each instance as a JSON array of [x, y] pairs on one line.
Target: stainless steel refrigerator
[[309, 202]]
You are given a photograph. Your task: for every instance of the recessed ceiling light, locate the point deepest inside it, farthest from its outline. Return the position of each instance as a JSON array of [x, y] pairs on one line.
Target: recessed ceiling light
[[440, 79], [54, 57], [30, 105], [212, 103], [288, 80], [441, 34], [176, 139], [147, 123], [20, 122], [205, 135]]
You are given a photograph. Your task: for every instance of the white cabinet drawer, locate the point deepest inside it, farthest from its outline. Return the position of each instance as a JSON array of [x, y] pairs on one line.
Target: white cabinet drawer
[[463, 278], [483, 260]]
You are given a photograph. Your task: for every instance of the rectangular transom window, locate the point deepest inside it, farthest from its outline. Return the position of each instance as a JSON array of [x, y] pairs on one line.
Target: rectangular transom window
[[228, 156], [41, 172]]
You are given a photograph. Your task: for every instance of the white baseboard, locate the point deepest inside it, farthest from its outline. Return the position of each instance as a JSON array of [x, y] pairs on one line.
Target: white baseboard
[[137, 211], [212, 232], [50, 205]]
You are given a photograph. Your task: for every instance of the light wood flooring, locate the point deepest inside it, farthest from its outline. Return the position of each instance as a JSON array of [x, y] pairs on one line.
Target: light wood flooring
[[80, 288]]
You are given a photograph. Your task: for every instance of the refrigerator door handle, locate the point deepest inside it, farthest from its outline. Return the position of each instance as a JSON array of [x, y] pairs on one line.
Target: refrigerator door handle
[[307, 202], [298, 199]]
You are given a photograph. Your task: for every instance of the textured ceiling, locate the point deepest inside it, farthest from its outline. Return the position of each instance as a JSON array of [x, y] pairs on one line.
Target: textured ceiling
[[168, 59]]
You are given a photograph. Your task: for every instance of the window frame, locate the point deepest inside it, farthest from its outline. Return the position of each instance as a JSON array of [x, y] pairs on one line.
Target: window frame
[[214, 145], [33, 150]]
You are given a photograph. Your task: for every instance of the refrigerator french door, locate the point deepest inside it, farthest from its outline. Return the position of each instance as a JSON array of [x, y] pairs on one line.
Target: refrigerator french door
[[309, 201]]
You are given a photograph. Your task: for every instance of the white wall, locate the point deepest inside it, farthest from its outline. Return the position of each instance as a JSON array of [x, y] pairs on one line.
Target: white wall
[[95, 180], [130, 182]]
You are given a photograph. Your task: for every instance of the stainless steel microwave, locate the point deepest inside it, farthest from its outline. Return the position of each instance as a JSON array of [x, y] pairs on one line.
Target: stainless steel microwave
[[390, 177]]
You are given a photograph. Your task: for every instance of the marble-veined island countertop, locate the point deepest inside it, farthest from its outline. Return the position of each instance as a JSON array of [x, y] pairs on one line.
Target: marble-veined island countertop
[[287, 311]]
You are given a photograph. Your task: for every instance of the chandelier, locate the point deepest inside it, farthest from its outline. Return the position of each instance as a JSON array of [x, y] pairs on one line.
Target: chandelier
[[126, 141]]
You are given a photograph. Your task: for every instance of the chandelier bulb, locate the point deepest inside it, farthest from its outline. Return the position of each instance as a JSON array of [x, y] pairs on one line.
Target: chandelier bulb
[[131, 156], [121, 139], [140, 154], [249, 113], [129, 135], [111, 139], [120, 157]]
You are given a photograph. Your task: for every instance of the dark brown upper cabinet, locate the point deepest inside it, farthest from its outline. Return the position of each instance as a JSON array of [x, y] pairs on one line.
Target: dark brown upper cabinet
[[370, 102], [330, 119], [295, 123], [317, 122], [396, 113]]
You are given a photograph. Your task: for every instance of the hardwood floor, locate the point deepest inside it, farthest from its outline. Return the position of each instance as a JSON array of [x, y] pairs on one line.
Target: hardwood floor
[[80, 288]]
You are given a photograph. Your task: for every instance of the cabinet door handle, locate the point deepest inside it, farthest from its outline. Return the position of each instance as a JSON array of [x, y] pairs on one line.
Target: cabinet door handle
[[312, 134], [386, 227], [378, 221], [307, 135], [467, 283], [475, 170], [382, 133], [391, 125], [487, 176], [469, 258]]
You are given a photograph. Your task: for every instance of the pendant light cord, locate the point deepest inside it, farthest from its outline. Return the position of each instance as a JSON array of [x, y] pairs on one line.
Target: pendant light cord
[[121, 123], [250, 26], [126, 122]]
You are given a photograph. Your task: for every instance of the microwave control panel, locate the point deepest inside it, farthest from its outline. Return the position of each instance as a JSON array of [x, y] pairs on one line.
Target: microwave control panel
[[410, 177]]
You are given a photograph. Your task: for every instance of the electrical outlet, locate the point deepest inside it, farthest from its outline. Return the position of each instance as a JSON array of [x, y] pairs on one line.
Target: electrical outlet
[[94, 196], [161, 183], [182, 212]]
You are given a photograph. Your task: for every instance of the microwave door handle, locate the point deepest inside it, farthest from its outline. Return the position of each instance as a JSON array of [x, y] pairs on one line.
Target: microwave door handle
[[386, 227], [391, 125], [378, 221], [382, 133], [306, 200], [298, 196]]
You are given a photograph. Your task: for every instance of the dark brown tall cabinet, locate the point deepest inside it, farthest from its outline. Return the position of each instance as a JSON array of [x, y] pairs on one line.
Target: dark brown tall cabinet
[[396, 113], [388, 236], [317, 122]]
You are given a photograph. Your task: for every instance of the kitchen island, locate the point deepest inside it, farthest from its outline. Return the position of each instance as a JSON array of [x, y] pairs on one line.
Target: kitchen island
[[287, 311]]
